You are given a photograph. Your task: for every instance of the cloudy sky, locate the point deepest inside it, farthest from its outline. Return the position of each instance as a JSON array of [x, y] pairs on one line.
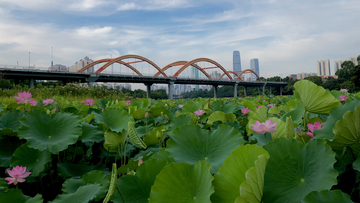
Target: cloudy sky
[[287, 36]]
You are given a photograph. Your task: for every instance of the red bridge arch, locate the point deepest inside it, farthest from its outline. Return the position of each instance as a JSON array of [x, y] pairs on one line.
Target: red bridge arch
[[191, 63], [179, 63]]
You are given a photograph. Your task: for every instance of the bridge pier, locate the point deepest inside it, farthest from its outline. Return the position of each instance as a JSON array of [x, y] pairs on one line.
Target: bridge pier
[[270, 89], [148, 85], [244, 90], [281, 90], [170, 88], [31, 83], [235, 89], [263, 89], [215, 90]]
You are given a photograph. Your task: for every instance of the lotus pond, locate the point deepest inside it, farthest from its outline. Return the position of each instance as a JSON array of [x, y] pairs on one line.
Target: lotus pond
[[302, 148]]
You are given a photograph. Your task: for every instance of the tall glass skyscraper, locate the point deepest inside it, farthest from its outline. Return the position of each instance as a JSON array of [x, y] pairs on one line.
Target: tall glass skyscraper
[[195, 74], [236, 61], [254, 65]]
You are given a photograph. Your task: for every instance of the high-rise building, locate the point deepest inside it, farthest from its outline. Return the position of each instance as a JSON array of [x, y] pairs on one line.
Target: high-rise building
[[236, 61], [80, 64], [195, 74], [254, 65], [337, 65], [354, 60], [215, 75], [323, 67], [58, 67]]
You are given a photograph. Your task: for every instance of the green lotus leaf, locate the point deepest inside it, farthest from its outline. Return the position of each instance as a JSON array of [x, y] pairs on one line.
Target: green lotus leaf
[[296, 114], [139, 114], [156, 111], [259, 115], [327, 196], [162, 154], [132, 109], [11, 120], [191, 144], [136, 189], [181, 182], [33, 159], [50, 132], [1, 108], [356, 164], [315, 98], [347, 131], [84, 194], [233, 172], [116, 119], [61, 102], [132, 165], [191, 107], [280, 126], [294, 170], [91, 134], [152, 138], [93, 177], [16, 195], [8, 145], [336, 114], [274, 110], [249, 104], [113, 140], [224, 107], [216, 116], [67, 170], [220, 116], [134, 136], [178, 121], [251, 190], [289, 128]]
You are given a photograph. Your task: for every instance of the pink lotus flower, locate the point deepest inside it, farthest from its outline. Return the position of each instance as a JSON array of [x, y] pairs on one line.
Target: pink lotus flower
[[257, 107], [89, 102], [33, 102], [239, 98], [271, 105], [244, 111], [344, 90], [264, 100], [226, 101], [140, 161], [199, 112], [128, 101], [23, 97], [17, 175], [48, 101], [181, 106], [147, 114], [262, 128], [343, 97], [312, 127]]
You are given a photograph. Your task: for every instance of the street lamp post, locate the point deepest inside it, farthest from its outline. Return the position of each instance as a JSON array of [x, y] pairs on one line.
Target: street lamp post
[[52, 57], [112, 67]]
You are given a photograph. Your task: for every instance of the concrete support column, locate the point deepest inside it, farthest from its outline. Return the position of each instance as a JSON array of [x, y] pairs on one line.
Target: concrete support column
[[215, 90], [31, 83], [170, 88], [281, 90], [235, 89], [245, 90], [148, 85], [263, 89], [270, 90]]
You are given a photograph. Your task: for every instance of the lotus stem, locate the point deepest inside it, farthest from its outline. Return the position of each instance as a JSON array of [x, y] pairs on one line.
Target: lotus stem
[[122, 198], [74, 152]]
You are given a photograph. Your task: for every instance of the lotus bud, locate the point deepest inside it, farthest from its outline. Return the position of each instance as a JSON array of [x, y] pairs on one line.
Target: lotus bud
[[158, 135], [162, 114]]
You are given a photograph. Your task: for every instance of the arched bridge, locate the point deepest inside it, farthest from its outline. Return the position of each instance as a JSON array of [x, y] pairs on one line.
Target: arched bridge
[[182, 65]]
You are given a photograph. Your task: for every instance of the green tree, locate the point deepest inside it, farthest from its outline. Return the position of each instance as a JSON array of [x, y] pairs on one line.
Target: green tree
[[315, 79]]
